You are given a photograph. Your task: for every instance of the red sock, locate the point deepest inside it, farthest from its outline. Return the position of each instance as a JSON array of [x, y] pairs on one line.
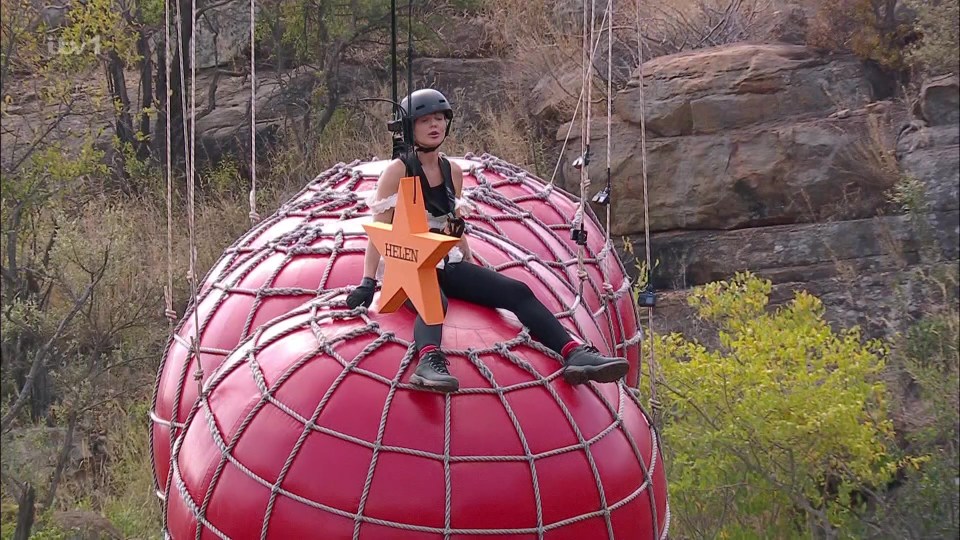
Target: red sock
[[568, 348], [426, 349]]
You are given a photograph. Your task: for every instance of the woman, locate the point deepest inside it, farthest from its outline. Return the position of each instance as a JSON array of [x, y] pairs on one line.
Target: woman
[[458, 276]]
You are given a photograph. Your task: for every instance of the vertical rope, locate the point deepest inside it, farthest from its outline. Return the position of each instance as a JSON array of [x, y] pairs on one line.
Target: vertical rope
[[583, 90], [183, 127], [191, 194], [254, 217], [566, 139], [609, 17], [584, 138], [646, 224], [168, 291]]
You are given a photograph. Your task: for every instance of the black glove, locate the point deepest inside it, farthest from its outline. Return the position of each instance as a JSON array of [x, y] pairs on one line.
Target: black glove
[[455, 227], [363, 294]]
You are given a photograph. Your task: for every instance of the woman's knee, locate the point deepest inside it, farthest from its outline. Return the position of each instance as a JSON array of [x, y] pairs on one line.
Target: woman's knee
[[517, 290]]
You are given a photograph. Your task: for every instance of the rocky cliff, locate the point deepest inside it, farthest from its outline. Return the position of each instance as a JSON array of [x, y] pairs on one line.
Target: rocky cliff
[[779, 160]]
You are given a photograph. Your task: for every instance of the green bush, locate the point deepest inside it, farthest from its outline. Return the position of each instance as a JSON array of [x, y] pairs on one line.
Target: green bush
[[776, 431], [925, 503], [938, 22]]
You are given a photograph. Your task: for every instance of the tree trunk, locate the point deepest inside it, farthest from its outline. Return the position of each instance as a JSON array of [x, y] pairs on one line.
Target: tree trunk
[[118, 89], [332, 75], [25, 512], [160, 126], [146, 95], [62, 458], [42, 395]]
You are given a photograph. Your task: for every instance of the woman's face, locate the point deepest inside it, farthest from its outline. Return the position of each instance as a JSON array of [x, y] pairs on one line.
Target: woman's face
[[429, 130]]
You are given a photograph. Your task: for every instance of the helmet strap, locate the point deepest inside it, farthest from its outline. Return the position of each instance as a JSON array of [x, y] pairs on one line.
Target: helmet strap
[[427, 149]]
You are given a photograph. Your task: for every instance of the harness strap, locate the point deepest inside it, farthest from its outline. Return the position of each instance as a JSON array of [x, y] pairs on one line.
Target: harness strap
[[415, 168]]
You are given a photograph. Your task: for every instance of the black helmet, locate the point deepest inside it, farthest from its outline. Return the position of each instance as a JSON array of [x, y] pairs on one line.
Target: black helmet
[[423, 102], [426, 101]]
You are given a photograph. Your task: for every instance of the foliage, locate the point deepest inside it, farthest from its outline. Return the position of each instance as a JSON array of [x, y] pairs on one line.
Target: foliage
[[643, 272], [938, 24], [130, 503], [505, 131], [874, 30], [778, 429], [314, 31], [924, 367], [98, 27]]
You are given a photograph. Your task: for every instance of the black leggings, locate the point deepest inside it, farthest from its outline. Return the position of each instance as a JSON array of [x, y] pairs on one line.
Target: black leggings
[[482, 286]]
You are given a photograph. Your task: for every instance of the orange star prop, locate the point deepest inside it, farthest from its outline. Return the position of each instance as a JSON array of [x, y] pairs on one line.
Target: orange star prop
[[410, 253]]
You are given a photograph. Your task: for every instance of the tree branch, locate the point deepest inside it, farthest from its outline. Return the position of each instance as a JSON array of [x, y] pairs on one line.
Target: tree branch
[[36, 142], [41, 357], [62, 458], [215, 5], [12, 272]]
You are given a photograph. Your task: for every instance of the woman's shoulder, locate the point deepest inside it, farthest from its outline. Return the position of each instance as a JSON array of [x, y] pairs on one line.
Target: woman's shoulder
[[394, 170], [396, 165], [454, 166]]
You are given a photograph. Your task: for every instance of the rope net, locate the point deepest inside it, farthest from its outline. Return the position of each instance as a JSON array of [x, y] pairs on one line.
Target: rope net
[[295, 418]]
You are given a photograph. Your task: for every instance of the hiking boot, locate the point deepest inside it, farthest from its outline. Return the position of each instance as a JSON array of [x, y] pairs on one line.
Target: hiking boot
[[432, 374], [586, 364]]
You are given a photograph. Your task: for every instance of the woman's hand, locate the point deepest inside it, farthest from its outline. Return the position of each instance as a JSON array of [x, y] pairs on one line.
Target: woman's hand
[[464, 246]]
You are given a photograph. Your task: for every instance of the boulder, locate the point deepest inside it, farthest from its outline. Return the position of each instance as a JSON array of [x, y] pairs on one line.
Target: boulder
[[940, 100], [789, 24], [740, 136], [800, 172], [932, 157], [721, 88], [472, 85], [85, 525], [225, 131], [223, 34], [554, 96]]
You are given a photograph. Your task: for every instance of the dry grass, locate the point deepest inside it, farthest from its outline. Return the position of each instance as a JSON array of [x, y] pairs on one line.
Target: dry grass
[[545, 39], [871, 155], [125, 318], [504, 132]]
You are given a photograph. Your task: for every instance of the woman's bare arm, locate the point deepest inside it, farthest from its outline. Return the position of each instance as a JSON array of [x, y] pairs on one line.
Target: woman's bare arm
[[387, 186], [457, 174]]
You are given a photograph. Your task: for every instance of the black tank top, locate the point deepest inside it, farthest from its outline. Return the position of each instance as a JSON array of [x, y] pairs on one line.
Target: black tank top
[[440, 200]]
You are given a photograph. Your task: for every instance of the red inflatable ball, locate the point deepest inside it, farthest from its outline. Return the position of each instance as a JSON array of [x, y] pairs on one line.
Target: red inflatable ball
[[296, 418]]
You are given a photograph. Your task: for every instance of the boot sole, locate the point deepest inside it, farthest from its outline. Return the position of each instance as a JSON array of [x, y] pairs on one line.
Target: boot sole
[[434, 386], [606, 373]]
